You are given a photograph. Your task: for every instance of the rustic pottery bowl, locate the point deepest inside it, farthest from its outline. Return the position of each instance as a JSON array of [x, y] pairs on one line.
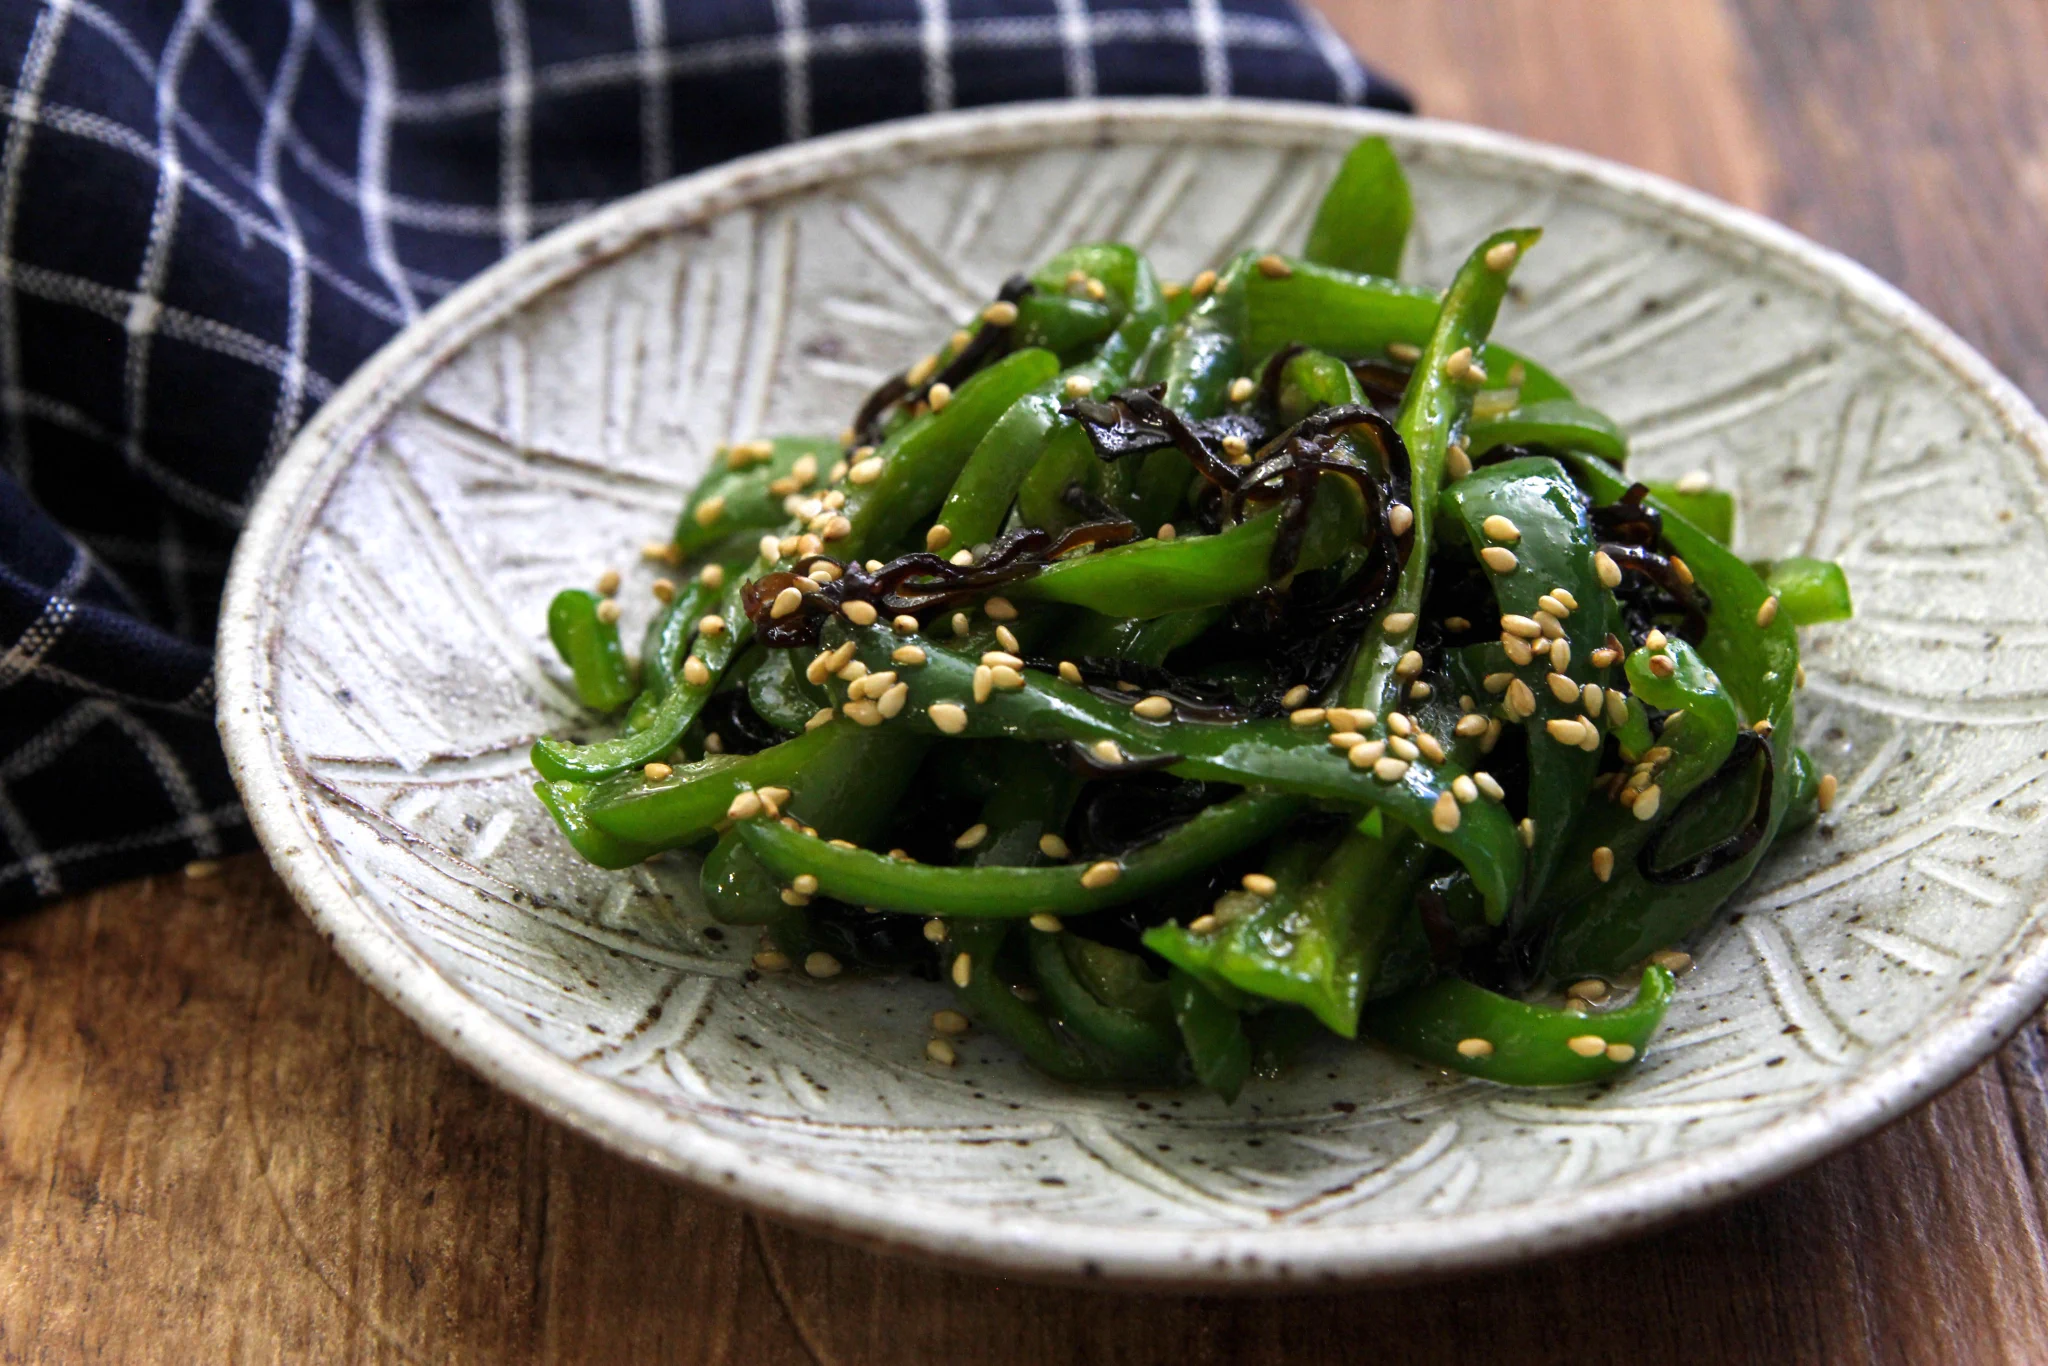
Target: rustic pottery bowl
[[384, 667]]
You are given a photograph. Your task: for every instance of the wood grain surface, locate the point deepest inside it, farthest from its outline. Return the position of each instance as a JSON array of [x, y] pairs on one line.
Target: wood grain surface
[[215, 1144]]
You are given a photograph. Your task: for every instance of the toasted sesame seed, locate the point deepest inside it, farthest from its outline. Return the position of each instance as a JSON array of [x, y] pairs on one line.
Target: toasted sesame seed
[[949, 717], [1663, 666], [1646, 805], [1565, 730], [1106, 751], [1457, 461], [1560, 654], [949, 1022], [1095, 289], [1548, 625], [1444, 814], [1526, 830], [1591, 989], [1607, 569], [710, 510], [1824, 795], [1007, 638], [1587, 1045], [1673, 961], [1274, 268], [1621, 1052], [1399, 724], [1006, 678], [864, 711], [1549, 603], [1000, 609], [1657, 754], [608, 583], [608, 611], [1364, 752], [1697, 481], [971, 836], [1475, 1048], [1767, 613], [1519, 625], [1488, 785], [1400, 517], [712, 625], [1295, 696], [1234, 447], [1469, 725], [1562, 688], [865, 471], [1242, 388], [1459, 363], [696, 672], [822, 716], [908, 655], [1499, 528], [1351, 718], [1154, 708], [1501, 255], [1431, 747], [1102, 874], [1516, 649], [1165, 532], [938, 1050], [714, 743], [1045, 922], [1464, 789], [1409, 665], [1603, 863], [786, 602], [771, 960], [984, 682], [963, 970], [838, 529], [1390, 769], [1499, 559], [1593, 698], [1763, 727], [1520, 700], [1202, 283], [1683, 570], [938, 537], [1204, 924], [1259, 884], [890, 702], [1402, 748], [1497, 683], [1306, 716], [1655, 640]]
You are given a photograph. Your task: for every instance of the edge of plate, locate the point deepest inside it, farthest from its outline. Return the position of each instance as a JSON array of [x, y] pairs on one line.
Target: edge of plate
[[288, 828]]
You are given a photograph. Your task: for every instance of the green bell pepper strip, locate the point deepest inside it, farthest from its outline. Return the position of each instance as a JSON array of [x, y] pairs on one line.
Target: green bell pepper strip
[[1619, 921], [1360, 316], [1531, 1043], [1554, 549], [744, 502], [780, 693], [1270, 755], [1144, 640], [1315, 942], [1809, 591], [1218, 1048], [738, 889], [1070, 328], [1151, 578], [989, 482], [1140, 1036], [1434, 406], [566, 803], [1559, 423], [1804, 807], [662, 727], [1196, 359], [1362, 223], [1757, 667], [920, 463], [1711, 510], [985, 892], [1313, 380], [589, 645]]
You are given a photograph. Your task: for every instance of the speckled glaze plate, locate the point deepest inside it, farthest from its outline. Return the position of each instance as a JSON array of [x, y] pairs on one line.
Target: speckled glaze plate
[[384, 666]]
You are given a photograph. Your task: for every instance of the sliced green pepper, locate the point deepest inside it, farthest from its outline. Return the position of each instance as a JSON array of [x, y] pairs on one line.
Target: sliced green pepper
[[589, 645], [1447, 1021], [1559, 423], [1362, 223]]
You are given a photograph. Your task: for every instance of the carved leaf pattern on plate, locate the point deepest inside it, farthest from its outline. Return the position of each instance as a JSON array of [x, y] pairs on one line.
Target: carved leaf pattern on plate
[[412, 671]]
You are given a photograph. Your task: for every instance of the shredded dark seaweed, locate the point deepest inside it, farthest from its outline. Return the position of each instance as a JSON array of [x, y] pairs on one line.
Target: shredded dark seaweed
[[1736, 847]]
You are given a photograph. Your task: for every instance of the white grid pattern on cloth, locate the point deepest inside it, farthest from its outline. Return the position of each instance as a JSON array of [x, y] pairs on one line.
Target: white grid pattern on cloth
[[391, 272]]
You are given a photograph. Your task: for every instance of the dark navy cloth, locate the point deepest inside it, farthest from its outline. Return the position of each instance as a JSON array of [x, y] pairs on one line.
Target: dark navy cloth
[[210, 213]]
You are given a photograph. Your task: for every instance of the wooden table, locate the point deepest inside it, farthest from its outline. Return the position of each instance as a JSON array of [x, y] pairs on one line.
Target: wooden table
[[216, 1144]]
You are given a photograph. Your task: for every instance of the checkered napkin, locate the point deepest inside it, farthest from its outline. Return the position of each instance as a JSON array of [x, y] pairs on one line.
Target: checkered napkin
[[210, 213]]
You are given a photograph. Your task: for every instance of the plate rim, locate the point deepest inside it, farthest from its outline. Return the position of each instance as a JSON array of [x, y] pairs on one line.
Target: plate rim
[[1902, 1076]]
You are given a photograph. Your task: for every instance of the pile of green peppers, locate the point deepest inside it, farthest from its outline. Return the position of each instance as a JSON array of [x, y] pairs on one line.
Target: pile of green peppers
[[1182, 671]]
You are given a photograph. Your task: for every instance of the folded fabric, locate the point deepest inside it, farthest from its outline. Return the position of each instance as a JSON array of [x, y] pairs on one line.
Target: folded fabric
[[211, 213]]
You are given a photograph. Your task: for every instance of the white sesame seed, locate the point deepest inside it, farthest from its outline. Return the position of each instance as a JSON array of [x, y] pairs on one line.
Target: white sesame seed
[[1616, 708], [1274, 268], [1603, 863], [1004, 677], [1242, 388], [1672, 960], [1046, 923], [963, 970], [1407, 353], [1431, 747], [1593, 698], [1501, 255], [792, 897], [1824, 795], [1106, 751], [712, 625], [1390, 770], [1608, 570], [1202, 283], [771, 960], [1366, 753], [1400, 517], [1345, 740], [1399, 724], [1489, 785], [1469, 725], [890, 703], [1259, 884], [984, 682], [1306, 716], [1444, 814], [1767, 613], [949, 717], [949, 1022], [1295, 696], [1499, 559], [1497, 683], [656, 772], [1565, 730], [1549, 603], [1457, 462], [1409, 665], [696, 672], [1475, 1048], [1102, 874], [1516, 649], [1403, 749], [1459, 363], [1154, 708], [1587, 1045], [1499, 528], [608, 611], [822, 716], [1621, 1052], [1000, 609], [941, 1052], [1697, 481], [1562, 688], [1520, 700], [1560, 654], [1517, 624], [1464, 789], [971, 836], [1525, 829], [935, 931], [938, 537], [1646, 805]]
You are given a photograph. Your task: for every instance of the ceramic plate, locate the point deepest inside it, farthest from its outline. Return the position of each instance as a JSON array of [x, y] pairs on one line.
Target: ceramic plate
[[384, 666]]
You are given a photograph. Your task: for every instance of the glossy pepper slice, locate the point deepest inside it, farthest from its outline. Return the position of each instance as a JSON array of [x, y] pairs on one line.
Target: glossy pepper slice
[[1532, 509], [1315, 940], [1559, 423], [866, 878], [589, 645], [1447, 1021], [1362, 223], [1437, 402], [742, 492]]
